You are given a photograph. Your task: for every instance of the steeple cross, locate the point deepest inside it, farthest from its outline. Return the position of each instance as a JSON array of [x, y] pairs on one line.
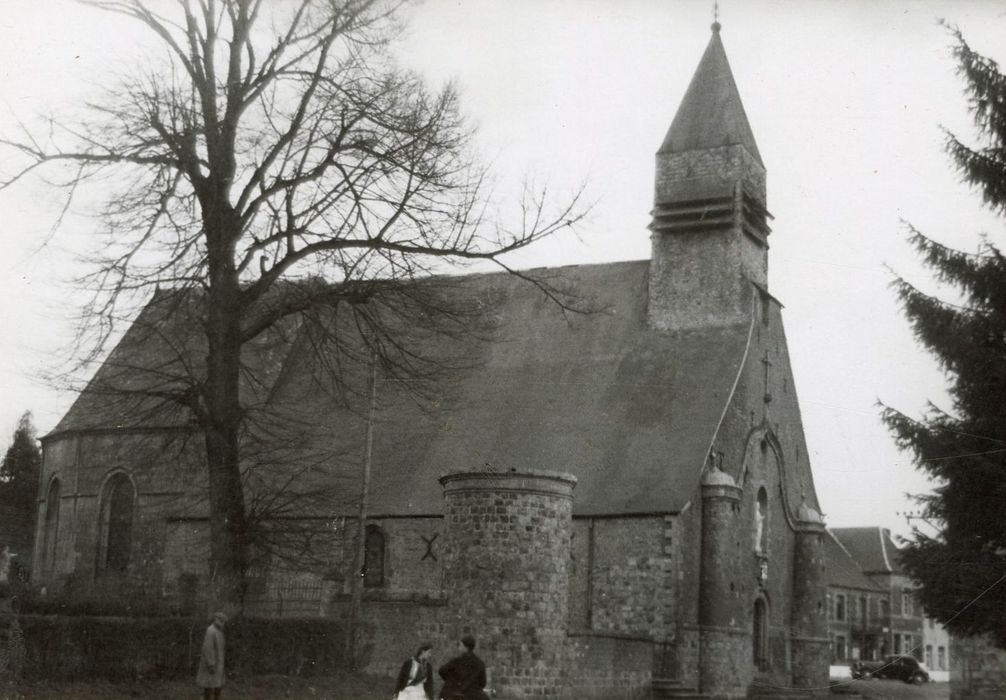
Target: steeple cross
[[768, 366]]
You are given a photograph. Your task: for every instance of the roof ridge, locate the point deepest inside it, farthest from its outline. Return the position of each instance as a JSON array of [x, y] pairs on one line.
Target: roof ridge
[[883, 549]]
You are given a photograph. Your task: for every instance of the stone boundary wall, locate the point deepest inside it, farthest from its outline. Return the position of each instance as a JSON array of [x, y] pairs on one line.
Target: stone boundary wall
[[62, 648], [392, 630], [977, 670]]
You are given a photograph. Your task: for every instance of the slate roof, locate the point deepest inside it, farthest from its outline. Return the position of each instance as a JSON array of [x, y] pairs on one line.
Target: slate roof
[[871, 547], [159, 354], [842, 569], [628, 410], [711, 114]]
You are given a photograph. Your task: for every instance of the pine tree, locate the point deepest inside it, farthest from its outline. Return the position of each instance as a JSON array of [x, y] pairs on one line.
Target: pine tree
[[19, 474], [961, 569]]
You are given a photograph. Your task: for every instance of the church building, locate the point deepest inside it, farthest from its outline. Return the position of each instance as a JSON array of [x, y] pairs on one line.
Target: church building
[[617, 500]]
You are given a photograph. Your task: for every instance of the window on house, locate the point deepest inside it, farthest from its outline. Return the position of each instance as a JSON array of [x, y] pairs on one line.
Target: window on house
[[373, 560], [929, 656], [116, 525], [941, 658], [840, 651], [898, 647], [864, 609], [840, 607], [831, 607], [51, 526], [907, 607], [885, 610]]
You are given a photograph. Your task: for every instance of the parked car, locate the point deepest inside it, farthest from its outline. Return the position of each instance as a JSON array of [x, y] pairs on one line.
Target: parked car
[[902, 668]]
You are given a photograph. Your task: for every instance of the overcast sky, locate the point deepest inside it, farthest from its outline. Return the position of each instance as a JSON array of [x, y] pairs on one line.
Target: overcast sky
[[845, 100]]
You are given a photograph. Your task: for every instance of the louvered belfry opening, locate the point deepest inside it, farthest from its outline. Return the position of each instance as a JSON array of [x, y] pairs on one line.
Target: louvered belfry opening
[[714, 214]]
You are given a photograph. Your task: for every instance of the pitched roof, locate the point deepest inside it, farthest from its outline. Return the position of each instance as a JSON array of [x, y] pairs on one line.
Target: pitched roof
[[161, 353], [630, 411], [842, 569], [711, 114], [871, 547]]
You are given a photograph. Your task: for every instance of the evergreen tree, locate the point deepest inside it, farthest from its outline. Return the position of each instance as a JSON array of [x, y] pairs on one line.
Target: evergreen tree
[[961, 569], [19, 470]]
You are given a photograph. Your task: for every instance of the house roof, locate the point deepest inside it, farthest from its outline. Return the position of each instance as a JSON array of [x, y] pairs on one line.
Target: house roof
[[628, 410], [871, 547], [842, 569], [711, 114]]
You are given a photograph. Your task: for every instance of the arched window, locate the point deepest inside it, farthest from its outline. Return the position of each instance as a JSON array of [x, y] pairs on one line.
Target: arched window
[[51, 532], [373, 560], [761, 522], [759, 634], [116, 524]]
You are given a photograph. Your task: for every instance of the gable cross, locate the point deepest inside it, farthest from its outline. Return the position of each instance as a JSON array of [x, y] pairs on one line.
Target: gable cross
[[767, 363]]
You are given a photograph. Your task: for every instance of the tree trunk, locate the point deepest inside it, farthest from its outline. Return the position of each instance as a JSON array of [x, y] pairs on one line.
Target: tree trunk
[[356, 602], [221, 424]]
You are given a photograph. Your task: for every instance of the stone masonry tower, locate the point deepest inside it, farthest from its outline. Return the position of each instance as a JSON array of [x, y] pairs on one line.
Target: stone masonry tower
[[709, 230], [723, 637], [811, 647], [506, 574]]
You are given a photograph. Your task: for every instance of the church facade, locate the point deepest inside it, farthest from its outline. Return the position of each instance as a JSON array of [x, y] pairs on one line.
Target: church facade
[[620, 500]]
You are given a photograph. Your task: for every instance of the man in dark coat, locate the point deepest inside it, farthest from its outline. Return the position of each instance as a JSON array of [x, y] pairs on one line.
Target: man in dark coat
[[464, 676]]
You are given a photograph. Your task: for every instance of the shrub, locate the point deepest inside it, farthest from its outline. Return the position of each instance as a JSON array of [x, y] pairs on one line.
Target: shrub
[[66, 648]]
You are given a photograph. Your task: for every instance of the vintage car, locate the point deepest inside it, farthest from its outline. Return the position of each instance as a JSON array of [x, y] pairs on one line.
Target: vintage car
[[902, 668]]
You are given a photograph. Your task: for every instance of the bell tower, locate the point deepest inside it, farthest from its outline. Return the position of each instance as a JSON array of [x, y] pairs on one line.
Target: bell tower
[[710, 223]]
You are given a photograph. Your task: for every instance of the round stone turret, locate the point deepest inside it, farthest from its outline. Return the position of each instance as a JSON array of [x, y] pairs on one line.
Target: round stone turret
[[723, 637], [809, 621], [506, 574]]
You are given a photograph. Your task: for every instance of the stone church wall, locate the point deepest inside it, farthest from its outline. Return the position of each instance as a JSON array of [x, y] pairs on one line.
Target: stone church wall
[[632, 577], [155, 462], [600, 663]]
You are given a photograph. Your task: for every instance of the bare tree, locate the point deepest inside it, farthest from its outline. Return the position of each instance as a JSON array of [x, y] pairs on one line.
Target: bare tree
[[278, 163]]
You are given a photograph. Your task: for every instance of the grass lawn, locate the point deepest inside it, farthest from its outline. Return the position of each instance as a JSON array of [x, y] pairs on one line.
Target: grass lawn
[[256, 688]]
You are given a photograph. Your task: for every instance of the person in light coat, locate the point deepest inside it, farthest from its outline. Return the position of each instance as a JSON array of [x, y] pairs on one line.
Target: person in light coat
[[415, 679], [210, 675]]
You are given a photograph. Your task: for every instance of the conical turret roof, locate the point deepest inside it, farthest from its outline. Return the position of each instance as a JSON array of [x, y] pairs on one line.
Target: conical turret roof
[[711, 114]]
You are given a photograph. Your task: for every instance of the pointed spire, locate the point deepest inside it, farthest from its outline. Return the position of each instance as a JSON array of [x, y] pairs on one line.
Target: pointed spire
[[711, 114]]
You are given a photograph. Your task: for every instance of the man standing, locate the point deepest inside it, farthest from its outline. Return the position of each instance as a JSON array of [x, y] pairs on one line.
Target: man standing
[[464, 676], [210, 676]]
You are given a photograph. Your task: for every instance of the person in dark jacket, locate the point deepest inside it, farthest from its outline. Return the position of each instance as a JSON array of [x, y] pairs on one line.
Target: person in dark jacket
[[415, 680], [464, 676]]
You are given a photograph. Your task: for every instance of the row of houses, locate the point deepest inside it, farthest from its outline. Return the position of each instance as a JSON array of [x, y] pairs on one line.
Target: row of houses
[[872, 608]]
